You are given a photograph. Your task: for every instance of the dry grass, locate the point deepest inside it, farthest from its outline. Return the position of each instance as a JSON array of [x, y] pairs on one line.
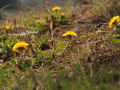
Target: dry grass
[[88, 61]]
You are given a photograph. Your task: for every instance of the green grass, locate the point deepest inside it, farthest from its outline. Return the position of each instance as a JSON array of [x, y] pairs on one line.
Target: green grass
[[89, 61]]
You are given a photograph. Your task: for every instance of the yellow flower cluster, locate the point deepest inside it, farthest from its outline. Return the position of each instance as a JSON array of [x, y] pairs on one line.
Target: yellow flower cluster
[[62, 14], [7, 27], [56, 8], [20, 46], [69, 33], [113, 21]]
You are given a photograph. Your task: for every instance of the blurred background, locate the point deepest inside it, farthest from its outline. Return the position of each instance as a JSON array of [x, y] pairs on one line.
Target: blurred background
[[19, 4], [12, 7]]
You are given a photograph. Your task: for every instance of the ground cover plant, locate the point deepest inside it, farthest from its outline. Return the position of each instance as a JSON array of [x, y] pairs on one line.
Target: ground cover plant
[[62, 48]]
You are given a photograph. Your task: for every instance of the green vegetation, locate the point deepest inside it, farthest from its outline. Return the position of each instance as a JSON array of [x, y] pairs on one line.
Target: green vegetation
[[62, 48]]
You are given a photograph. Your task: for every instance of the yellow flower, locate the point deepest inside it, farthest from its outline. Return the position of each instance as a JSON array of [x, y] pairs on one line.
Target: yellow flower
[[113, 21], [69, 33], [62, 14], [55, 8], [7, 27], [20, 46]]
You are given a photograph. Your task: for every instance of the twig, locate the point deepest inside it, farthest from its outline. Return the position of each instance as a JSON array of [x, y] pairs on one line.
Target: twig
[[23, 33]]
